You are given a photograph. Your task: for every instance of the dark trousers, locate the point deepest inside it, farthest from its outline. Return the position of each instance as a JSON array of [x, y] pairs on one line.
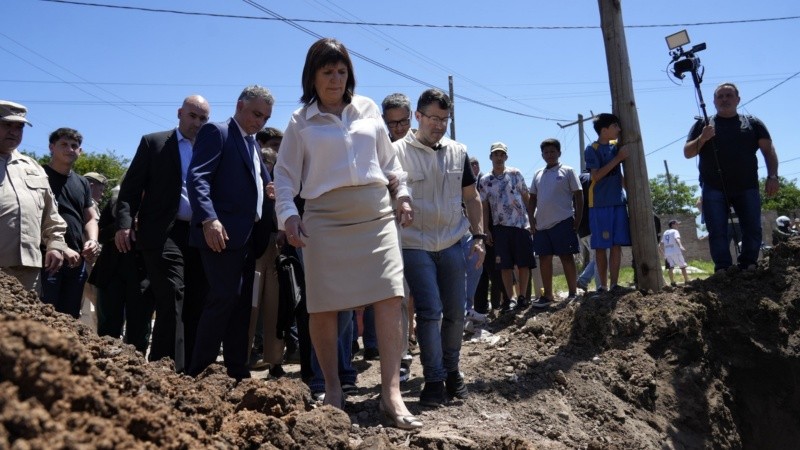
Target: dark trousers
[[179, 285], [226, 314], [482, 293], [64, 288], [126, 299]]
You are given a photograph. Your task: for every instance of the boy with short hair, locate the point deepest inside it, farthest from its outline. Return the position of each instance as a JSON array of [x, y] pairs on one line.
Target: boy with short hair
[[64, 288], [672, 248], [554, 219], [608, 215]]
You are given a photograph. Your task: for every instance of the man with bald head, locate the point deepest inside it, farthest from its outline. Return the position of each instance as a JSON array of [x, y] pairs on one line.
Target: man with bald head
[[153, 216]]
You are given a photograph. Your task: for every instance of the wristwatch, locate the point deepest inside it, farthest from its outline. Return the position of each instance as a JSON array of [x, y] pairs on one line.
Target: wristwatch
[[479, 236], [772, 177]]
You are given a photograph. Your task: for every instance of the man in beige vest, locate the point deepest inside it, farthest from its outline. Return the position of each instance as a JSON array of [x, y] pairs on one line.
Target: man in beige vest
[[28, 212], [440, 179]]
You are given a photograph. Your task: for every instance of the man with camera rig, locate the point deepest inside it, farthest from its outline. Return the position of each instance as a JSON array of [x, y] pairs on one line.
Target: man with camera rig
[[727, 147]]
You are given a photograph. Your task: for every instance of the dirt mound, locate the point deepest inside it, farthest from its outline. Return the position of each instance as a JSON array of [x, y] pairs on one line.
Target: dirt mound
[[711, 365]]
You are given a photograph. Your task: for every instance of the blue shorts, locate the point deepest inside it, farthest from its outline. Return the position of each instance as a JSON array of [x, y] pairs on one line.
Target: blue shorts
[[609, 225], [560, 239], [513, 247]]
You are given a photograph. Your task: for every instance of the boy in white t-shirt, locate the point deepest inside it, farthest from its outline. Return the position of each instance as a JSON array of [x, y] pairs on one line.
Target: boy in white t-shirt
[[672, 248]]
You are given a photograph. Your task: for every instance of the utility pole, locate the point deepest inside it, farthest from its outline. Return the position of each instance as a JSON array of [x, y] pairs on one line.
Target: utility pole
[[585, 256], [581, 142], [669, 184], [452, 109], [640, 205]]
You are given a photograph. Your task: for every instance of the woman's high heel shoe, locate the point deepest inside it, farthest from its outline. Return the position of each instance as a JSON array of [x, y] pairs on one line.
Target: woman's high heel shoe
[[408, 422], [339, 406]]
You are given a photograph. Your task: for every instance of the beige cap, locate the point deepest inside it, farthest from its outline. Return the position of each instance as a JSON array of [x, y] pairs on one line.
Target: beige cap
[[94, 176], [13, 112], [498, 147]]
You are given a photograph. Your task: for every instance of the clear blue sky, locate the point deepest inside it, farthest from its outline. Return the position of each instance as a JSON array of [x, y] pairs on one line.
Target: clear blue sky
[[117, 74]]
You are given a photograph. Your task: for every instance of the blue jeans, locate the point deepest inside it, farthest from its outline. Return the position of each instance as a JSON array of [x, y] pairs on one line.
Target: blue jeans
[[473, 274], [437, 282], [64, 288], [590, 271], [747, 205], [347, 373]]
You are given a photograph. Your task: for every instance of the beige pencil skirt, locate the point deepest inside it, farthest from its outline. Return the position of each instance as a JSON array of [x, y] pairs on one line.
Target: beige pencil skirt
[[352, 256]]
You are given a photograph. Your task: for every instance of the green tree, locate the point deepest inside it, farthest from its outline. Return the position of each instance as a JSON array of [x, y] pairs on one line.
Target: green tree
[[786, 202], [679, 199], [109, 164]]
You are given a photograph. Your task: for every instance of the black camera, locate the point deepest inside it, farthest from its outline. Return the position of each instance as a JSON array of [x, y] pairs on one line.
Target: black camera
[[687, 61], [684, 61]]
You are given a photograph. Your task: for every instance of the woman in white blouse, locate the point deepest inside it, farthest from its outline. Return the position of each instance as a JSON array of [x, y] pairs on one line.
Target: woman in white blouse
[[336, 153]]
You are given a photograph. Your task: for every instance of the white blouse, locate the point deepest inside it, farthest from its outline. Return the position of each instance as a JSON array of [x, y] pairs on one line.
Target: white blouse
[[321, 152]]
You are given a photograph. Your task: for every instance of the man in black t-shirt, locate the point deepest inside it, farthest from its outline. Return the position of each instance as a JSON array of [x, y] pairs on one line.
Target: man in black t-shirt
[[729, 175], [64, 288]]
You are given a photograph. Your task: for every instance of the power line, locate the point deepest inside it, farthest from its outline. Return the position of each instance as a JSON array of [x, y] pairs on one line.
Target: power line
[[432, 61], [417, 25], [78, 87], [78, 76], [389, 68]]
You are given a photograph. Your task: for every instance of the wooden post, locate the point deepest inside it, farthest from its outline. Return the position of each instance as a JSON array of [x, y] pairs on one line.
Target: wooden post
[[452, 109], [581, 142], [581, 133], [640, 205], [672, 207]]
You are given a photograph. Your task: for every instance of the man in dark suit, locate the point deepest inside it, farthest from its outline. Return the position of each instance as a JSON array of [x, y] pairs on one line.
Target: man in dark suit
[[226, 186], [153, 196]]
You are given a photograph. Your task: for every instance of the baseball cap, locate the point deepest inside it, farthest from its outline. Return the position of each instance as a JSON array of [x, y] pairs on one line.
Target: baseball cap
[[673, 222], [94, 176], [498, 147], [13, 112]]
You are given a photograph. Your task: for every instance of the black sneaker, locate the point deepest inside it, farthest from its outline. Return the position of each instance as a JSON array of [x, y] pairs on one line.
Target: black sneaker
[[349, 389], [432, 394], [371, 354], [523, 302], [509, 306], [276, 371], [405, 368], [542, 302], [405, 373], [455, 386]]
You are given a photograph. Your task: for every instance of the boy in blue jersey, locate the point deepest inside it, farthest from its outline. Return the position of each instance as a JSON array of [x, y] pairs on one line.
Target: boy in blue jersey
[[608, 216]]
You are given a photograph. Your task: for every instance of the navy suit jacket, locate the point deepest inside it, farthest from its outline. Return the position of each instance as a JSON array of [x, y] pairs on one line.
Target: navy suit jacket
[[151, 189], [221, 185]]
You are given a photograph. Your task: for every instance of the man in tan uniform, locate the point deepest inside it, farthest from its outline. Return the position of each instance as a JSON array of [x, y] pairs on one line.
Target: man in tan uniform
[[28, 212]]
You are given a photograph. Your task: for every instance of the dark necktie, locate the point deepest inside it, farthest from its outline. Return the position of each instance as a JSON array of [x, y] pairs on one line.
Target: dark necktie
[[253, 151]]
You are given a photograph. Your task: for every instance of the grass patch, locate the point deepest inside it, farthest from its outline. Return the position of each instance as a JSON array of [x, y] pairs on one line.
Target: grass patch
[[704, 270]]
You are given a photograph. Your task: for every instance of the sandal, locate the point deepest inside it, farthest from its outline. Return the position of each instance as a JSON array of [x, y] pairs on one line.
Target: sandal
[[408, 422]]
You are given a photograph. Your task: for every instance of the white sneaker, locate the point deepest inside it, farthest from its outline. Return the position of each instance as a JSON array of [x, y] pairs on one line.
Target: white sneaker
[[475, 316]]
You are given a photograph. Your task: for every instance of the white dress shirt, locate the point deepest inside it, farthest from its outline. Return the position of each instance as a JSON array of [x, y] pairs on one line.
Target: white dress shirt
[[322, 152], [185, 150]]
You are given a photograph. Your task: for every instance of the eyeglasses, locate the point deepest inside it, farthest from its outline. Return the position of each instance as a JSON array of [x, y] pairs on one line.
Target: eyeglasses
[[436, 119], [398, 123]]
